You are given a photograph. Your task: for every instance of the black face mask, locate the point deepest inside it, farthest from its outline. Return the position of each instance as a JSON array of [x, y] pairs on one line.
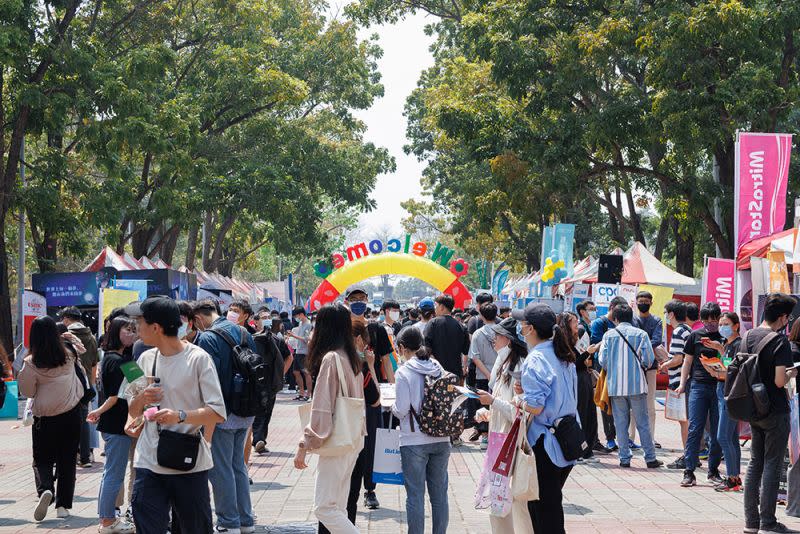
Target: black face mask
[[643, 308]]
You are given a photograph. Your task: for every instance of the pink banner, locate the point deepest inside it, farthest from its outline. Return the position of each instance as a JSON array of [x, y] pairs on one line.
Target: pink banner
[[718, 283], [762, 170]]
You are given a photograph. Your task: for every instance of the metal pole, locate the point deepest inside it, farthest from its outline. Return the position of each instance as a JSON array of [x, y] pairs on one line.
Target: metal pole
[[205, 252], [21, 249], [717, 210]]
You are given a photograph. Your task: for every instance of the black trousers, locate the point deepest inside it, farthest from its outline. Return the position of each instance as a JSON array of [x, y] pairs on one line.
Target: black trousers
[[55, 444], [547, 514], [261, 422], [608, 426], [473, 405], [187, 494], [374, 419], [83, 448], [587, 410]]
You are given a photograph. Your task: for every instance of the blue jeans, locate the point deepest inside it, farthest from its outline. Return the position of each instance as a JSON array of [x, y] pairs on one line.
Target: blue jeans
[[703, 404], [728, 436], [116, 447], [621, 408], [229, 479], [421, 464]]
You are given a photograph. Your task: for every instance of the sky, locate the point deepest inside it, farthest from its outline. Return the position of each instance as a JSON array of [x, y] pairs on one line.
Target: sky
[[405, 56]]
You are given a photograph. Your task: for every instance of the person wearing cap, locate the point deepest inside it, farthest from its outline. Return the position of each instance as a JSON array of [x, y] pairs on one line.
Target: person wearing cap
[[188, 399], [427, 309], [73, 320], [549, 384], [625, 354], [511, 352], [381, 346], [229, 479]]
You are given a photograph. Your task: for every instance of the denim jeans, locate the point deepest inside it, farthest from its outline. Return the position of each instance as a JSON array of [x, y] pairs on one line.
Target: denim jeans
[[229, 479], [770, 438], [116, 447], [84, 448], [426, 464], [728, 436], [703, 404], [621, 408]]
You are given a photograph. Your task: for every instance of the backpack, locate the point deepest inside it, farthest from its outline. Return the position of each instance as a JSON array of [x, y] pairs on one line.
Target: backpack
[[435, 417], [252, 382], [746, 397], [268, 349]]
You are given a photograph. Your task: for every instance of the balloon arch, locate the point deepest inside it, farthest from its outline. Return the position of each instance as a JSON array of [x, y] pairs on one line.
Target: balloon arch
[[421, 267]]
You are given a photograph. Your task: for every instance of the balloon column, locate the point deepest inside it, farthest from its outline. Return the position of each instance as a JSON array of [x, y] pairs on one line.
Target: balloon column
[[553, 271]]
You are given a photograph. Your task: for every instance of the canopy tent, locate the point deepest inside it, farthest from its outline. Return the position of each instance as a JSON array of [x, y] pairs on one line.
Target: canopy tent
[[781, 241], [109, 258]]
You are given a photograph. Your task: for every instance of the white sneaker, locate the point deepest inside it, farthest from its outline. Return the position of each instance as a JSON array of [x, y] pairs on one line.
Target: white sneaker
[[40, 512], [62, 512], [118, 527], [247, 530]]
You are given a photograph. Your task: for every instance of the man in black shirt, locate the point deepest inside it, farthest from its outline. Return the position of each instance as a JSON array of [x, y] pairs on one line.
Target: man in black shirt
[[771, 434], [446, 338], [703, 402]]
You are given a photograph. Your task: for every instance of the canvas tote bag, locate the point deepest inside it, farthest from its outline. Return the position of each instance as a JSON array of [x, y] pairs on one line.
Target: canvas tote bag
[[349, 421]]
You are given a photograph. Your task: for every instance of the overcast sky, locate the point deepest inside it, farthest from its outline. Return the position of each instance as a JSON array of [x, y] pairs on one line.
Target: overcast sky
[[405, 56]]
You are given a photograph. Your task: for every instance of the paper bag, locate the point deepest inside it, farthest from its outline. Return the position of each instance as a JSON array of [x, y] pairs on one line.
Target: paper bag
[[675, 406], [387, 467]]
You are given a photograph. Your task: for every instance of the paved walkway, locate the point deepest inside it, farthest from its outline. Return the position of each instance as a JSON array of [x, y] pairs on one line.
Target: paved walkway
[[599, 498]]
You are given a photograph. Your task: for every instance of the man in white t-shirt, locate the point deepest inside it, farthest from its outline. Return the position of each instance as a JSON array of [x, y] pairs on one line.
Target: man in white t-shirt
[[189, 397]]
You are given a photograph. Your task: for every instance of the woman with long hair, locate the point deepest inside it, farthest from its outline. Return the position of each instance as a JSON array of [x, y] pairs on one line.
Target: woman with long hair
[[568, 323], [110, 419], [49, 377], [424, 458], [511, 352], [549, 384], [333, 339]]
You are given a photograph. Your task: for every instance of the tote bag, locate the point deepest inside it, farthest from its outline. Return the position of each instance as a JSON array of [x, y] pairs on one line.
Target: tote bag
[[387, 467], [349, 419], [524, 477]]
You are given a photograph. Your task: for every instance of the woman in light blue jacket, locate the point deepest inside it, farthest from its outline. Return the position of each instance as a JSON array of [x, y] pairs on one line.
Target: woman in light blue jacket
[[424, 458]]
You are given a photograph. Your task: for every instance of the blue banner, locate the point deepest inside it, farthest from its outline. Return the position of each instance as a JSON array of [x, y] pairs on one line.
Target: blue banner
[[499, 281], [548, 237], [133, 285], [563, 241]]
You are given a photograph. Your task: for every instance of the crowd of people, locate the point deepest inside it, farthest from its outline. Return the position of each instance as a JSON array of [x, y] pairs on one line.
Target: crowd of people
[[197, 419]]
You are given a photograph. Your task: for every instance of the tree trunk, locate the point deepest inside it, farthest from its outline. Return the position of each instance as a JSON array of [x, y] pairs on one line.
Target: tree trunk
[[726, 159], [636, 221], [684, 251], [209, 226], [219, 244], [661, 237], [616, 234], [168, 247], [191, 247], [141, 239]]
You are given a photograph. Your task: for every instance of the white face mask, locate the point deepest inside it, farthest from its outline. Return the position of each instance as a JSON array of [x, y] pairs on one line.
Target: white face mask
[[394, 315], [233, 317]]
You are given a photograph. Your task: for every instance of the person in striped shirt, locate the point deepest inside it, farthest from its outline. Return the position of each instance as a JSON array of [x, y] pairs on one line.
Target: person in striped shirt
[[675, 311], [625, 354]]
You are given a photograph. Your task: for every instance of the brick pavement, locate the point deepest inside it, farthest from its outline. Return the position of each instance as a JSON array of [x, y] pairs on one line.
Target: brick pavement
[[599, 498]]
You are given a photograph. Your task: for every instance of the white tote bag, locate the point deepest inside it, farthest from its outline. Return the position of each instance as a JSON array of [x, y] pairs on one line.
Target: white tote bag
[[349, 421], [387, 468], [675, 406]]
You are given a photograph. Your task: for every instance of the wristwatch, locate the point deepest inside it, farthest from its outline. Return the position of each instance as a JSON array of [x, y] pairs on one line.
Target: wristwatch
[[181, 416]]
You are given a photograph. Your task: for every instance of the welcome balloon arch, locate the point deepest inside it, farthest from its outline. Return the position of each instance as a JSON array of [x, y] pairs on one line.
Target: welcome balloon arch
[[397, 257]]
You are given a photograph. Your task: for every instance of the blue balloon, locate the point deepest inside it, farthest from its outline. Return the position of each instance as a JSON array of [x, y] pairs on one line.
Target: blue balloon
[[554, 255], [560, 273]]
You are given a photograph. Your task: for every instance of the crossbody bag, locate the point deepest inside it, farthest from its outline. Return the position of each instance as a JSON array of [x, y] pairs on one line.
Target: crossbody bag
[[176, 450]]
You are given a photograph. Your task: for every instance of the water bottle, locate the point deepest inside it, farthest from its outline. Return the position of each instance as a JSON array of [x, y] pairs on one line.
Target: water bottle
[[156, 384]]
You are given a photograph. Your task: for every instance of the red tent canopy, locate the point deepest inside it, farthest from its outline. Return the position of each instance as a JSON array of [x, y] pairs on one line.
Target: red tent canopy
[[641, 267], [758, 248]]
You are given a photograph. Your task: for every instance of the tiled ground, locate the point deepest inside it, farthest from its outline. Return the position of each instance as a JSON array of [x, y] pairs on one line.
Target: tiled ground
[[600, 498]]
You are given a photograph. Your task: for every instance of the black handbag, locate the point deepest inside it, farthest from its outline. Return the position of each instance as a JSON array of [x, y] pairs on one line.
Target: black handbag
[[570, 437], [176, 450]]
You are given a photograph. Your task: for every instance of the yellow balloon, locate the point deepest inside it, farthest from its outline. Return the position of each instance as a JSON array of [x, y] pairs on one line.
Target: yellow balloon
[[548, 261]]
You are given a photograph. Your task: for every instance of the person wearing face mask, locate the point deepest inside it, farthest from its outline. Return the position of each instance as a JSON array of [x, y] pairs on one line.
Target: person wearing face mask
[[728, 430], [391, 311], [483, 356], [381, 347], [587, 312], [301, 335], [240, 312], [770, 435], [228, 477], [702, 395], [654, 328], [110, 418], [549, 383], [675, 312], [511, 352]]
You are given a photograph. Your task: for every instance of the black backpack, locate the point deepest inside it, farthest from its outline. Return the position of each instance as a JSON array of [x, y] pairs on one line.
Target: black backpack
[[251, 390], [746, 397], [268, 348]]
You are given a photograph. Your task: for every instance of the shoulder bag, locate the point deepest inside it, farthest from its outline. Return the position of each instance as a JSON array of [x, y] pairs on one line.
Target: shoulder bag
[[349, 421], [524, 477], [176, 450]]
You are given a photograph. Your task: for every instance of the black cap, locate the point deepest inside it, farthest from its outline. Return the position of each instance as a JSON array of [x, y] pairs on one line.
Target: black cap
[[508, 328], [536, 314], [355, 289], [157, 310]]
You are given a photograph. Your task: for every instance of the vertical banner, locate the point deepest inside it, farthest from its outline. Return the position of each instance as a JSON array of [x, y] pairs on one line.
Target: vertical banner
[[778, 273], [603, 294], [140, 286], [548, 238], [661, 295], [761, 175], [113, 298], [499, 282], [580, 292], [563, 242], [33, 305], [718, 280]]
